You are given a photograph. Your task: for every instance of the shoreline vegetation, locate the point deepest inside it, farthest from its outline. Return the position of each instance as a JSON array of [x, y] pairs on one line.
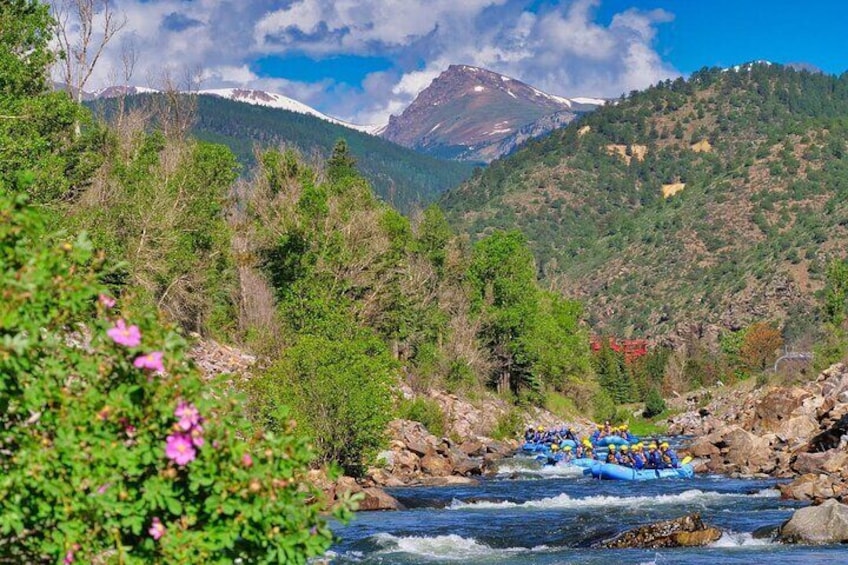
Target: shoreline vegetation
[[370, 348]]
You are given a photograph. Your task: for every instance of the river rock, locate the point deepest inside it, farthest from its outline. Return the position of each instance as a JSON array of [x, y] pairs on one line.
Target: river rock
[[686, 531], [775, 408], [378, 499], [449, 481], [436, 466], [826, 523], [746, 451], [473, 448], [810, 462], [463, 464], [811, 486], [703, 447]]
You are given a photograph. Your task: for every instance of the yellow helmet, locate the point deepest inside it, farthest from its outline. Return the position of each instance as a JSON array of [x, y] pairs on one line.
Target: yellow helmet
[[540, 429], [567, 448], [623, 427], [652, 446], [612, 447], [625, 448], [554, 447], [664, 445]]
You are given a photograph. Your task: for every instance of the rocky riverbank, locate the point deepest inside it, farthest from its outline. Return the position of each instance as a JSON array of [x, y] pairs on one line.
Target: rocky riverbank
[[797, 432]]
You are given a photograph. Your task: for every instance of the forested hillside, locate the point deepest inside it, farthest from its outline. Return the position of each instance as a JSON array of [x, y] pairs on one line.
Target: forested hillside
[[400, 176], [717, 199]]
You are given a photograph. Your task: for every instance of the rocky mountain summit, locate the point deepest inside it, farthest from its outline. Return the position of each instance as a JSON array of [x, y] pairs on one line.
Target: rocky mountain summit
[[472, 114]]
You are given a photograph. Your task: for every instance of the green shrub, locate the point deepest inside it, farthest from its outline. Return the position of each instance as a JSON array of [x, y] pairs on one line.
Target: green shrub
[[107, 458], [427, 411], [603, 406], [339, 391], [654, 404], [509, 425]]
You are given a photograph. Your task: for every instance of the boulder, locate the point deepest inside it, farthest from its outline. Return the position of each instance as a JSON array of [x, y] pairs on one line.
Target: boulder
[[703, 447], [463, 464], [436, 466], [378, 499], [810, 462], [499, 448], [776, 407], [686, 531], [413, 436], [810, 486], [826, 523], [383, 478], [797, 429], [449, 481], [405, 462], [347, 484], [746, 451], [473, 448]]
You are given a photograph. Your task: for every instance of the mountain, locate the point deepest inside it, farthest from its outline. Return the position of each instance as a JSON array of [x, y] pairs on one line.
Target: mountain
[[273, 100], [403, 177], [471, 114], [246, 95], [716, 200]]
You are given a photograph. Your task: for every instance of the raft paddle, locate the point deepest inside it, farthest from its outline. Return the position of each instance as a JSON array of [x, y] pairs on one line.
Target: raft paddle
[[686, 460]]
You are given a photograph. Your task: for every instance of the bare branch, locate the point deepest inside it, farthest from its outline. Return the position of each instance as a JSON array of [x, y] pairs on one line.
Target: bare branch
[[83, 30]]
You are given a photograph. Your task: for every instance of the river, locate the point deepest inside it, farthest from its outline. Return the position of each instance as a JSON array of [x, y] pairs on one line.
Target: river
[[548, 515]]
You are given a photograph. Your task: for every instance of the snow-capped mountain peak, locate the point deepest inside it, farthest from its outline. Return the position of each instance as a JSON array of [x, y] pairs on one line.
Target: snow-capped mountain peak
[[279, 101], [475, 114]]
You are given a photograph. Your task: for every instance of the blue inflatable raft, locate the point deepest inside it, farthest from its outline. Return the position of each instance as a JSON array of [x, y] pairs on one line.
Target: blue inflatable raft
[[615, 440], [533, 447], [611, 471]]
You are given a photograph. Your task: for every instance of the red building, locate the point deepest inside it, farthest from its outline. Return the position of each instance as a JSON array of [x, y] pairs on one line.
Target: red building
[[630, 348]]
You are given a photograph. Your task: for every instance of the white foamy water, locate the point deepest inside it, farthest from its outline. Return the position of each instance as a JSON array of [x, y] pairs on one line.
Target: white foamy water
[[745, 539], [565, 501], [451, 547], [545, 471]]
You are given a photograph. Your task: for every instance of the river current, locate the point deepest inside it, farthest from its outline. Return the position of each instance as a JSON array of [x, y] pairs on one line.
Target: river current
[[529, 514]]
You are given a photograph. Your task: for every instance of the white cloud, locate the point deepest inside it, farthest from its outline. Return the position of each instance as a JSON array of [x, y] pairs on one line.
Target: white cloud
[[559, 47]]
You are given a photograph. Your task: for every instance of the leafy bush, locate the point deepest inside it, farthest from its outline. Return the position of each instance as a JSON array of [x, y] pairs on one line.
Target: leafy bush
[[654, 404], [114, 449], [760, 346], [339, 391], [509, 425], [427, 411]]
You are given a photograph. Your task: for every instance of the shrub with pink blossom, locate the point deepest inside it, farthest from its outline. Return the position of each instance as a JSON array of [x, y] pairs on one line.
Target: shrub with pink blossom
[[112, 448]]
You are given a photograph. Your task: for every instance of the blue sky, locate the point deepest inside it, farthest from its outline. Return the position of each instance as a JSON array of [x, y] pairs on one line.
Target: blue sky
[[362, 60]]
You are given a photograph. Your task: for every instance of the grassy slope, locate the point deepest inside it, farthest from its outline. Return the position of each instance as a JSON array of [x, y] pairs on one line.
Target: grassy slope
[[748, 238]]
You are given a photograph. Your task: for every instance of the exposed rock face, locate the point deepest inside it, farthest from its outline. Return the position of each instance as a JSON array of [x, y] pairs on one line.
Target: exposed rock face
[[687, 531], [799, 432], [472, 114], [827, 523]]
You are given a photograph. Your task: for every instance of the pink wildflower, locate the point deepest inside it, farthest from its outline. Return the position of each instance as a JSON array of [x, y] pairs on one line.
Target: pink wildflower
[[107, 301], [103, 488], [157, 529], [179, 449], [130, 431], [247, 460], [197, 436], [188, 415], [151, 361], [69, 557], [124, 335]]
